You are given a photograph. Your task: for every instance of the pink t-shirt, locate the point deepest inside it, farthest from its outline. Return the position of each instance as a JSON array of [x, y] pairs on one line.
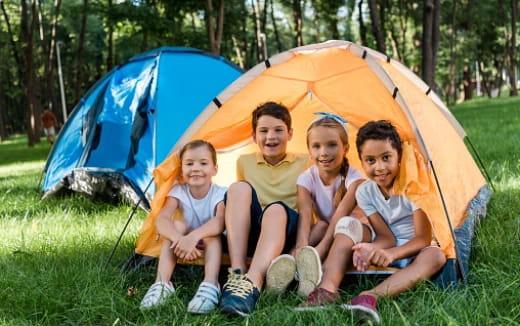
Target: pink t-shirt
[[323, 195]]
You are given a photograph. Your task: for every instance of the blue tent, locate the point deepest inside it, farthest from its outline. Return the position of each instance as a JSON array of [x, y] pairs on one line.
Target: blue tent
[[129, 120]]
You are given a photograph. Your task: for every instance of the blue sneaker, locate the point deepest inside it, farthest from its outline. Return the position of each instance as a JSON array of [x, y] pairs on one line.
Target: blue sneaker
[[239, 295]]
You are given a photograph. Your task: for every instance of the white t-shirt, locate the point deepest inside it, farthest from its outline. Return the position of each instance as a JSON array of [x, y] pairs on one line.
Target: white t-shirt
[[397, 211], [197, 211], [323, 195]]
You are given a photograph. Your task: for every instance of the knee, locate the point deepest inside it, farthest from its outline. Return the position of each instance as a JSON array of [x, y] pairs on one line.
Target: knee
[[436, 257], [239, 188], [275, 213], [350, 227]]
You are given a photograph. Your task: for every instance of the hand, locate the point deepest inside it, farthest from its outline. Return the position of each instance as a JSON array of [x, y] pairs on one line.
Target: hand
[[382, 257], [361, 256], [186, 247]]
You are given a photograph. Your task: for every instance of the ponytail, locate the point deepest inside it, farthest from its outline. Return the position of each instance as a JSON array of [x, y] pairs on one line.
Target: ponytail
[[342, 190]]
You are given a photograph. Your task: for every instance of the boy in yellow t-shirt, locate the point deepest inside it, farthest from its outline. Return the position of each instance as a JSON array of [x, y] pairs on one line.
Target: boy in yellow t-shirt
[[261, 217]]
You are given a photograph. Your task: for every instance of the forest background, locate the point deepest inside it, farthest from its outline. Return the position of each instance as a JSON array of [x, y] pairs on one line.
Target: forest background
[[459, 48]]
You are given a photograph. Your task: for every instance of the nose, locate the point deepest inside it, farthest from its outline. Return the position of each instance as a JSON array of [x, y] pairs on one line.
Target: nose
[[379, 165]]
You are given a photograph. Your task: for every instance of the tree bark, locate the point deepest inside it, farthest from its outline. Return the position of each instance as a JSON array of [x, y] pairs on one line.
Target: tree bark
[[298, 24], [110, 40], [452, 79], [428, 43], [256, 24], [49, 63], [362, 27], [512, 49], [275, 29], [27, 26], [81, 50], [215, 34], [377, 26]]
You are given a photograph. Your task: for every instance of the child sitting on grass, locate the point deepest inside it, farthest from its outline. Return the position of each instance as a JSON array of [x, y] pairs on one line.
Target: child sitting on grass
[[202, 207], [326, 190], [407, 246]]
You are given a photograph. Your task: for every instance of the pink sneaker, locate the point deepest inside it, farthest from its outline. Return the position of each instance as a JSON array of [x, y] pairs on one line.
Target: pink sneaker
[[364, 307], [319, 299]]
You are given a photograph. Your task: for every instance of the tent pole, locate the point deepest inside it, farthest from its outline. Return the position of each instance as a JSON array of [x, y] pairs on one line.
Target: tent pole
[[459, 263], [481, 163], [126, 225]]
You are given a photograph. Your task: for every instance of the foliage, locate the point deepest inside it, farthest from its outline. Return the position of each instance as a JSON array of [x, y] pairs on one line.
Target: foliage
[[53, 252]]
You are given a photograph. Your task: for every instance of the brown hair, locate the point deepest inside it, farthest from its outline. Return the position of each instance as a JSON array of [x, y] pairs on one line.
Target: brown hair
[[199, 143], [343, 170], [276, 110]]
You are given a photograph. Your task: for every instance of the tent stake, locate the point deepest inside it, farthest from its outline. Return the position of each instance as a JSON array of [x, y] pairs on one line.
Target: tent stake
[[126, 225]]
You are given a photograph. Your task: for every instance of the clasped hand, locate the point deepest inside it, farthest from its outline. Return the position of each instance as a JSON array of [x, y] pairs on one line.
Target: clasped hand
[[185, 247], [366, 254]]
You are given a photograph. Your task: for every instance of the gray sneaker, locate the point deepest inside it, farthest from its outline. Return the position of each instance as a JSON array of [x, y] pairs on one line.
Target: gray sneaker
[[280, 273], [308, 266]]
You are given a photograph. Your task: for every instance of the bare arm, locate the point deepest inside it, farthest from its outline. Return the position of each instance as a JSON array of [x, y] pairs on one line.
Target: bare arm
[[422, 239], [304, 218], [164, 224], [345, 207], [185, 248]]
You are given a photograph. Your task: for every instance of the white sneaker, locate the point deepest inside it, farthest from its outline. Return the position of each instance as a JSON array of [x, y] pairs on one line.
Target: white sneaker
[[308, 265], [280, 273], [205, 300], [157, 295]]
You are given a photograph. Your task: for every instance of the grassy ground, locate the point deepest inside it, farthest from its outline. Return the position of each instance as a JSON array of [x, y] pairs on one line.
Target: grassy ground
[[53, 252]]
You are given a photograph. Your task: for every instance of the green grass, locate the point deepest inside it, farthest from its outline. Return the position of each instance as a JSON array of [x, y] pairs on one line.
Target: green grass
[[53, 252]]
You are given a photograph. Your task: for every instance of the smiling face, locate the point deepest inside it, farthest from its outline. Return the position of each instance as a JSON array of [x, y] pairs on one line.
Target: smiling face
[[271, 135], [198, 167], [326, 149], [380, 161]]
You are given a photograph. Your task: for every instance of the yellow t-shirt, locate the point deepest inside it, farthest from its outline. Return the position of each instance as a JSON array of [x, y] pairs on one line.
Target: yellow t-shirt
[[273, 182]]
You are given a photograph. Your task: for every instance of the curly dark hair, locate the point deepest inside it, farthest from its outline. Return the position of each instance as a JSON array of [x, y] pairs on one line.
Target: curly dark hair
[[378, 130]]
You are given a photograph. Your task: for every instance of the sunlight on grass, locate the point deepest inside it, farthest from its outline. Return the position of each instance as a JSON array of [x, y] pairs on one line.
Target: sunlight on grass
[[21, 168]]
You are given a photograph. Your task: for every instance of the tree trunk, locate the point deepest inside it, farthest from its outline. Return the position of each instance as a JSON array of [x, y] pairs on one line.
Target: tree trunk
[[275, 29], [256, 24], [81, 50], [362, 27], [214, 34], [49, 63], [110, 40], [452, 78], [298, 24], [3, 122], [27, 26], [427, 43], [467, 85], [377, 26], [512, 49]]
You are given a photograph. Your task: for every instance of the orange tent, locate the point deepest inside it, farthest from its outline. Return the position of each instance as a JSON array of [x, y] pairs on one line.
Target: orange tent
[[360, 85]]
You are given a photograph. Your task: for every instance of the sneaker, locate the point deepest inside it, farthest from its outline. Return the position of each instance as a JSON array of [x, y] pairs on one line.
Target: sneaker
[[318, 299], [280, 273], [364, 307], [205, 300], [308, 266], [157, 295], [239, 295]]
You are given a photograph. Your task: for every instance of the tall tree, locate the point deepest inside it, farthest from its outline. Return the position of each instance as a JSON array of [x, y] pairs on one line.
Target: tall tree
[[49, 62], [430, 40], [377, 17], [298, 22], [110, 36], [80, 52], [362, 27], [215, 33], [28, 14], [512, 49]]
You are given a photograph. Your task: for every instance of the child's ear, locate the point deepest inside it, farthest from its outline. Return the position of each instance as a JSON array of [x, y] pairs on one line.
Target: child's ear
[[253, 134], [290, 131]]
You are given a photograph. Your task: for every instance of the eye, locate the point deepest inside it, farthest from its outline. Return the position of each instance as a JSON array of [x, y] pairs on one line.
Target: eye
[[370, 161], [386, 157]]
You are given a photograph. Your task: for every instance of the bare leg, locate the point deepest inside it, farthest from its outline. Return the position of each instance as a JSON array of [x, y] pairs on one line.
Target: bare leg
[[427, 263], [167, 259], [238, 223], [338, 260], [317, 232], [212, 257], [270, 244]]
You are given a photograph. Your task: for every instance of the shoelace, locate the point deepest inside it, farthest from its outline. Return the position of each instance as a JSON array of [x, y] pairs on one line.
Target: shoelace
[[238, 285]]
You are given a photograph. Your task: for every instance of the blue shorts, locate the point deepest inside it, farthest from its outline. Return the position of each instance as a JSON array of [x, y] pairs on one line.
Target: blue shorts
[[257, 213]]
